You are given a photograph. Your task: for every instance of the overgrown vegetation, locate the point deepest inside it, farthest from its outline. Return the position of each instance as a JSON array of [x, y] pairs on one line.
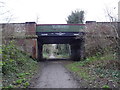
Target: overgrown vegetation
[[17, 67], [101, 68], [98, 71]]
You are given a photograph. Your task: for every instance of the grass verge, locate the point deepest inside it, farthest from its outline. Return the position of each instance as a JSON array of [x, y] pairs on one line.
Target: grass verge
[[98, 71]]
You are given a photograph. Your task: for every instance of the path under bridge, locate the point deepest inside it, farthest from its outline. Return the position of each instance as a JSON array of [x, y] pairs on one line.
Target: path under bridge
[[72, 34]]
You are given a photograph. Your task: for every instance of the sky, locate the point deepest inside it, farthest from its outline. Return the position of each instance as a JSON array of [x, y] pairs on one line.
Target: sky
[[56, 11]]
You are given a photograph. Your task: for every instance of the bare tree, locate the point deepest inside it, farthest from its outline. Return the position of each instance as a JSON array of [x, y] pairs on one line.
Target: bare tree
[[113, 18], [5, 14], [100, 38], [110, 14]]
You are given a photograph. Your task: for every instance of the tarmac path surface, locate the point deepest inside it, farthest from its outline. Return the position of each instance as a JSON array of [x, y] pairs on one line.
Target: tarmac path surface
[[55, 75]]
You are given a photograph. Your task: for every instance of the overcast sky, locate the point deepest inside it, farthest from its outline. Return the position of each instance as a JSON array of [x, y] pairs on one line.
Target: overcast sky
[[56, 11]]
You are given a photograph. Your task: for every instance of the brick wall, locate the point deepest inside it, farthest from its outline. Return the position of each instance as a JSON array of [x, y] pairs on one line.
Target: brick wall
[[23, 34]]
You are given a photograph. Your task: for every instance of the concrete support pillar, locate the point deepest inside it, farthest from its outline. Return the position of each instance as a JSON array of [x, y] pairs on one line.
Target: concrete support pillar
[[40, 46], [75, 52], [78, 50], [82, 49]]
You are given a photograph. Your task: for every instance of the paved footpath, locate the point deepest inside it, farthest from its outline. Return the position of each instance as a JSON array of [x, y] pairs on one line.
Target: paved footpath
[[54, 75]]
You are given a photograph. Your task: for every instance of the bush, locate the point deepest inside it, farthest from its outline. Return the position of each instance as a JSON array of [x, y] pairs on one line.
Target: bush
[[100, 38]]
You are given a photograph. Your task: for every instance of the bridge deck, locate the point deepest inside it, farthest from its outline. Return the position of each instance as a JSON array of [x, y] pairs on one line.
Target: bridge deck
[[60, 29]]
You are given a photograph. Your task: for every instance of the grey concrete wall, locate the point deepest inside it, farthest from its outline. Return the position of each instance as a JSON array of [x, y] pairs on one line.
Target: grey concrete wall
[[119, 11]]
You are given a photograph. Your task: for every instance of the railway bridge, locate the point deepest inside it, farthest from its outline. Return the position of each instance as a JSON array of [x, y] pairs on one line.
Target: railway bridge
[[30, 37], [72, 34]]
